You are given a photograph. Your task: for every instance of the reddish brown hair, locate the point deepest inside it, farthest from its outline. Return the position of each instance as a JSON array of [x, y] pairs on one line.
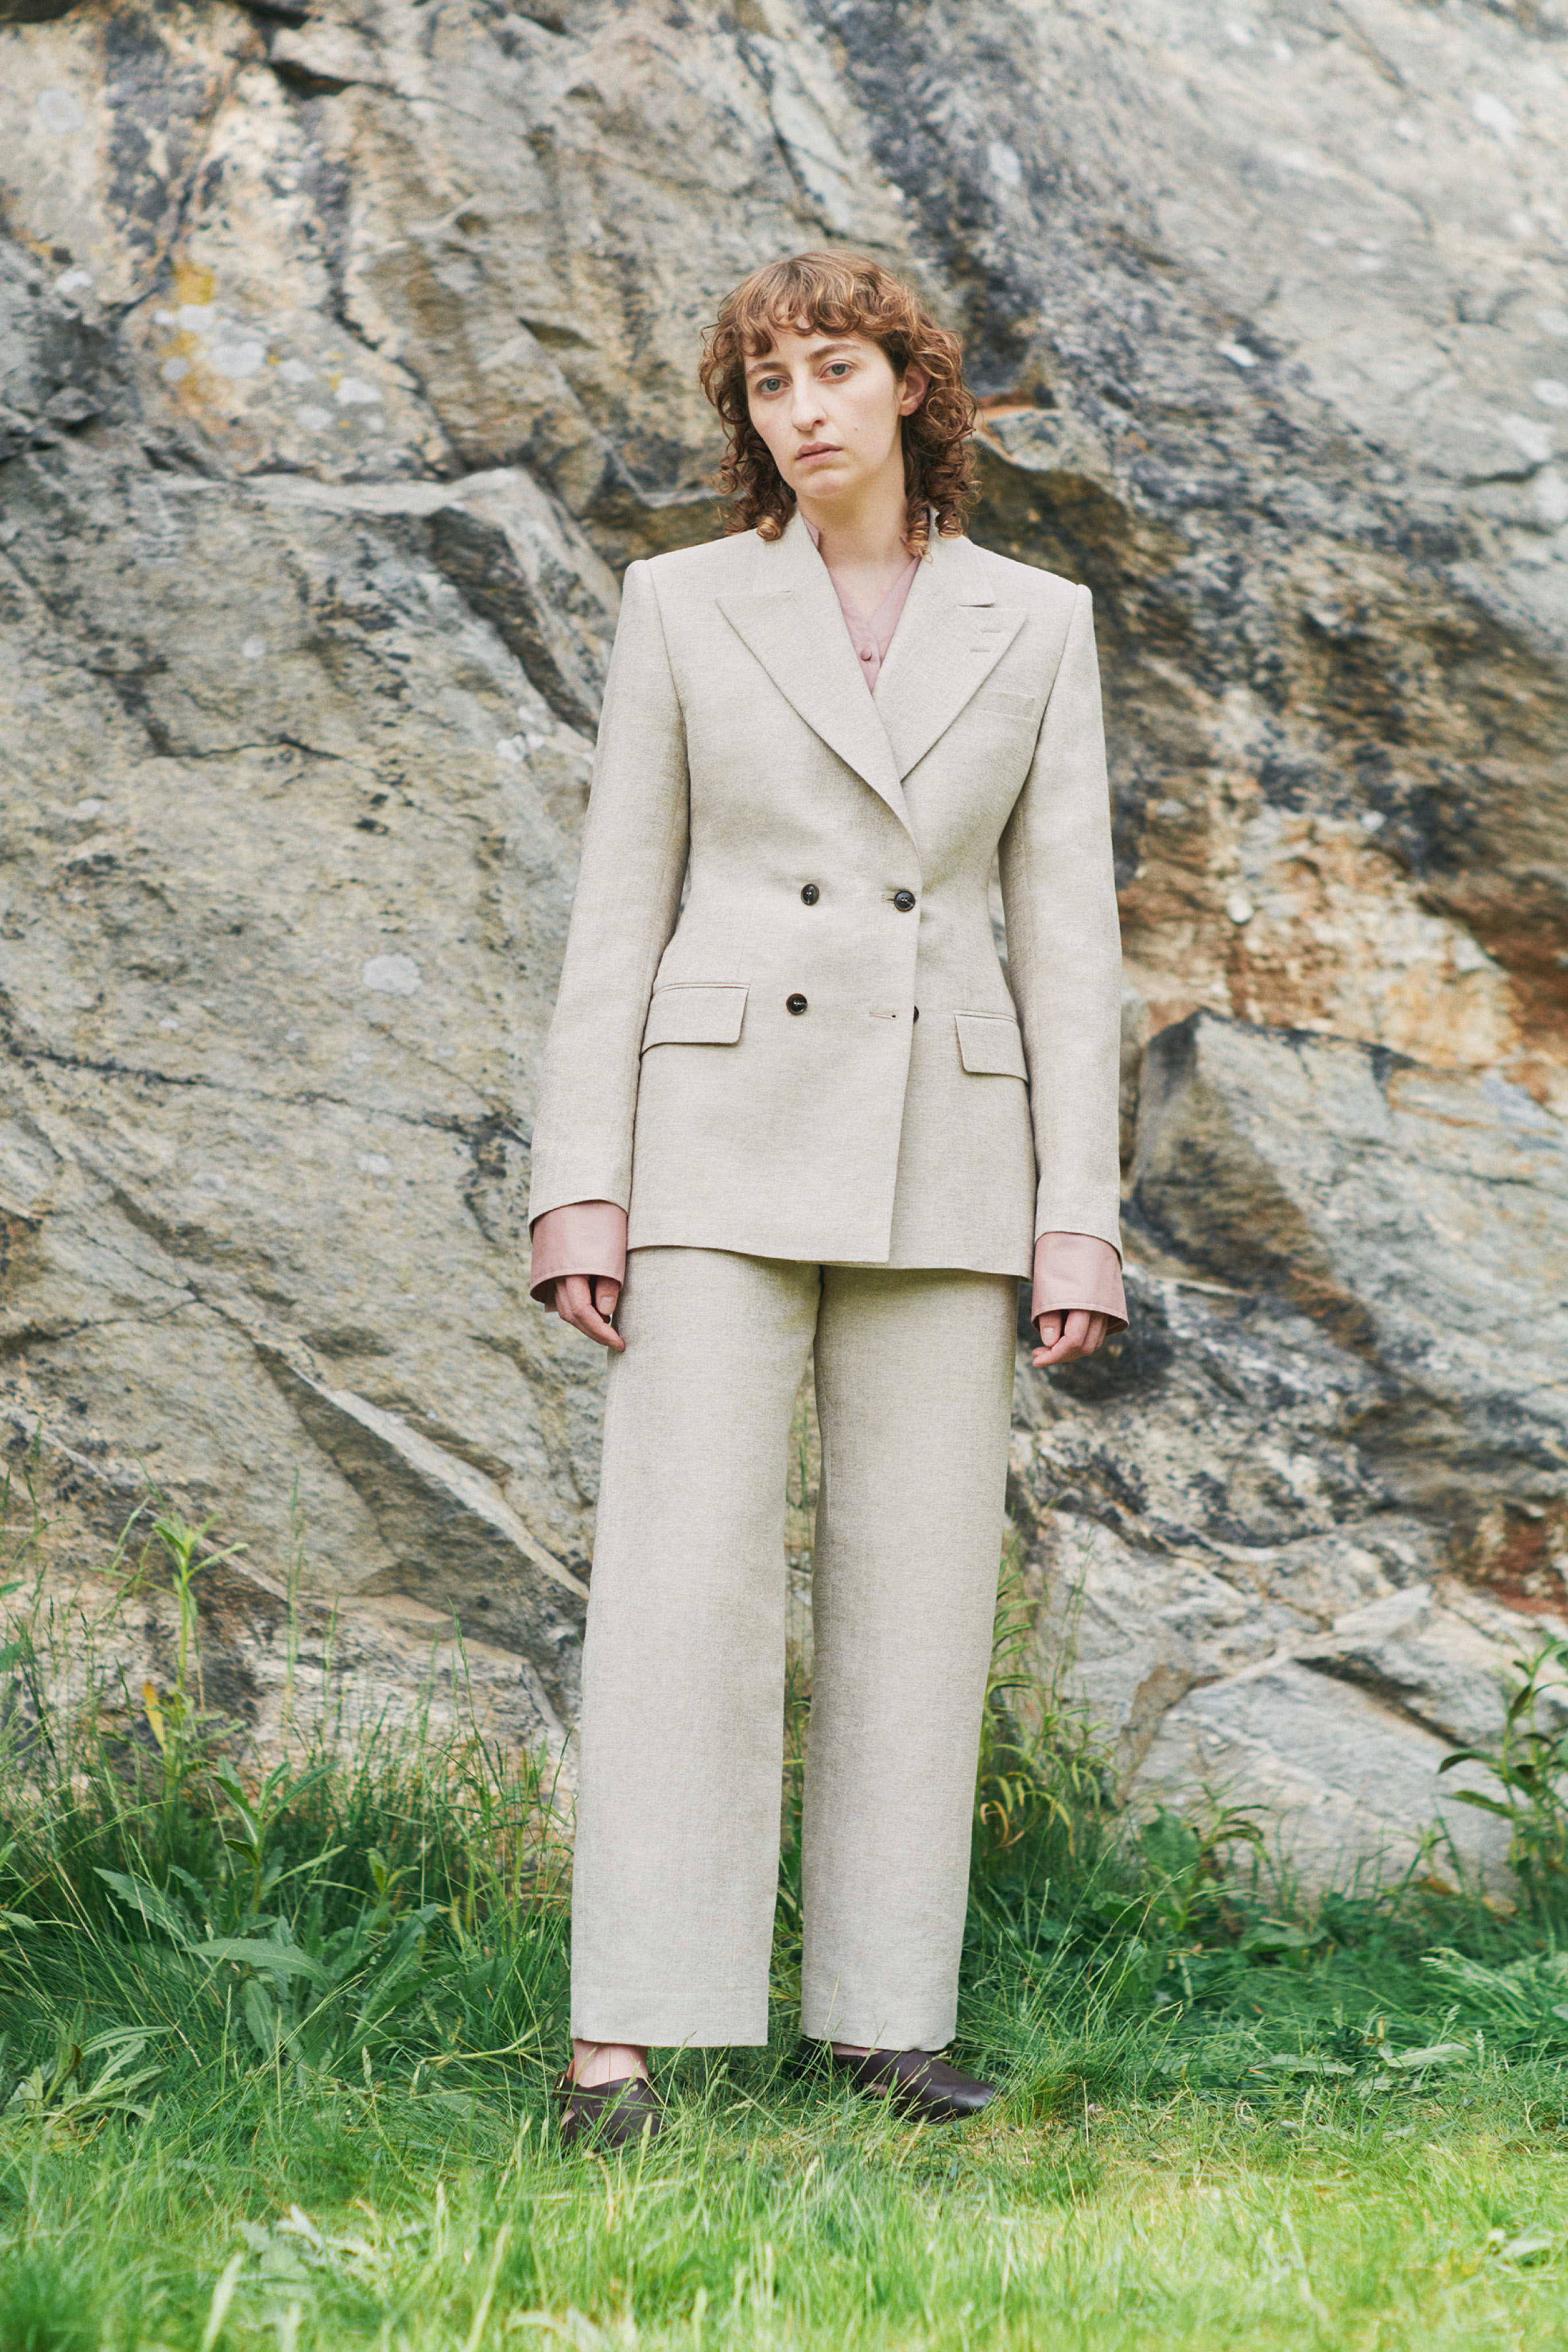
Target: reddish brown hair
[[841, 294]]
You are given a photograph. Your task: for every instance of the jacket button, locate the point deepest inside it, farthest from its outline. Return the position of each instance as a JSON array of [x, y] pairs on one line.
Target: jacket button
[[903, 900], [811, 894], [917, 1013], [794, 1003]]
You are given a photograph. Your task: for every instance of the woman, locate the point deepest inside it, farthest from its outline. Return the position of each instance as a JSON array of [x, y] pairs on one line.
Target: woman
[[804, 1116]]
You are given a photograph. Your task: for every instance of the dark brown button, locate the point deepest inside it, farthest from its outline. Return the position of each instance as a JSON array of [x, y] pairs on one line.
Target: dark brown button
[[794, 1003], [811, 894], [917, 1013], [903, 900]]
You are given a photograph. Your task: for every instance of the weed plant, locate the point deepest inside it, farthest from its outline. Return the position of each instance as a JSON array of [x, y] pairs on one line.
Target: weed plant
[[1528, 1764], [276, 2053]]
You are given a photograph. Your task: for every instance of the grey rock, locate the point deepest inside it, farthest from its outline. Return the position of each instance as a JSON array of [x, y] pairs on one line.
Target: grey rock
[[449, 1528], [1337, 1480], [347, 353], [278, 1662], [57, 358], [266, 1090], [1436, 1664], [1419, 1215], [1341, 1792], [519, 561]]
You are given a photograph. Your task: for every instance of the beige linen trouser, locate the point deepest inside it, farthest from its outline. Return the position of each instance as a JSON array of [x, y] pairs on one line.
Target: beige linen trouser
[[681, 1726]]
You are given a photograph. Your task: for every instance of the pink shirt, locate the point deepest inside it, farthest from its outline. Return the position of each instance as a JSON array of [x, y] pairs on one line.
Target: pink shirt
[[1071, 1270], [871, 638]]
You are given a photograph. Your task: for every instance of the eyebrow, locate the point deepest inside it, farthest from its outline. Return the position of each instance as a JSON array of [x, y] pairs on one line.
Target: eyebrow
[[819, 351]]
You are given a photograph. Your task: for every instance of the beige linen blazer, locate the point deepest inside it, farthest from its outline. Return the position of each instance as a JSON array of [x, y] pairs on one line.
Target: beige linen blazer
[[816, 1055]]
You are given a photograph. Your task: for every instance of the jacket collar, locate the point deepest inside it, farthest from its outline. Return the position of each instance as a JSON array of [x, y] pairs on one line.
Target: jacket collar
[[793, 624], [950, 636]]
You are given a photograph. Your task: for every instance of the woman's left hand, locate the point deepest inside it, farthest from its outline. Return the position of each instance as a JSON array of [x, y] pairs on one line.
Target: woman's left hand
[[1067, 1334], [588, 1301]]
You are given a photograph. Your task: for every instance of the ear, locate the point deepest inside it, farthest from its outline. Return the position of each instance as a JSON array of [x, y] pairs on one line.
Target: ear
[[912, 391]]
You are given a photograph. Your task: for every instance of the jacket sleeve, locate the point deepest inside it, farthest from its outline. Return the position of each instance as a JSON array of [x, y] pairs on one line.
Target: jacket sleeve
[[634, 845], [1063, 951]]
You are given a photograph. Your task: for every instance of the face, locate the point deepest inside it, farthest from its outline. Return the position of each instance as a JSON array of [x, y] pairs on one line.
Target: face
[[829, 408]]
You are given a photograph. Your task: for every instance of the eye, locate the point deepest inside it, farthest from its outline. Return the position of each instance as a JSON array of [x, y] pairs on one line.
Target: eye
[[769, 382], [838, 367]]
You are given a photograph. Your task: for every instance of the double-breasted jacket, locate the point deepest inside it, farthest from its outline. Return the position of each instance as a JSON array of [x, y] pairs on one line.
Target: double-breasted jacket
[[815, 1052]]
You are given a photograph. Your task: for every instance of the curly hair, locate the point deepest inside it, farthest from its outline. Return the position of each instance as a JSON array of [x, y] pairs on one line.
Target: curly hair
[[841, 294]]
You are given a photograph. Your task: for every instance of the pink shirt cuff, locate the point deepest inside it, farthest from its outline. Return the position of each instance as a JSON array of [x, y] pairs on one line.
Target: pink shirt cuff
[[585, 1237], [1077, 1270], [590, 1237]]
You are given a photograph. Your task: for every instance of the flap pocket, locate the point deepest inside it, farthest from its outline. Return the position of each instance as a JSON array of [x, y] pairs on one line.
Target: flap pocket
[[1014, 705], [685, 1014], [990, 1044]]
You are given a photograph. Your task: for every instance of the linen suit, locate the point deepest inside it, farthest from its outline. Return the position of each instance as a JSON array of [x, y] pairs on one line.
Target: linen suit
[[833, 1123]]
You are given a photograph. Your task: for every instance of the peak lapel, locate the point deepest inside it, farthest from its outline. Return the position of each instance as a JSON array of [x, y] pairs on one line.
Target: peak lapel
[[947, 644], [795, 629]]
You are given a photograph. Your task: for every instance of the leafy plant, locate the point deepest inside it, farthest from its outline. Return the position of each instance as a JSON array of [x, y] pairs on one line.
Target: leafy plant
[[250, 1835], [1038, 1772], [1529, 1764], [60, 2095]]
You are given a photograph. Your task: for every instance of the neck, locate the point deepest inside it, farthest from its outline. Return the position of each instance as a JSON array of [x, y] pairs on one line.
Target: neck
[[866, 532]]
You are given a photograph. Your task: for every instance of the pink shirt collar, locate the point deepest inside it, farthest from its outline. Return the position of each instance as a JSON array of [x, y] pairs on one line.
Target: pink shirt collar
[[871, 638]]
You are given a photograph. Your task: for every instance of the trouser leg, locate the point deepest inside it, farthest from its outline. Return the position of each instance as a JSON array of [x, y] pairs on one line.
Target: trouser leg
[[682, 1723], [914, 1380]]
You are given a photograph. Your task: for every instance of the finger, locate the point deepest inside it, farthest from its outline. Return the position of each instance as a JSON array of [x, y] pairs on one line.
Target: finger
[[594, 1326], [598, 1323], [572, 1298], [1059, 1352], [1083, 1342], [1072, 1332], [575, 1304], [1049, 1328]]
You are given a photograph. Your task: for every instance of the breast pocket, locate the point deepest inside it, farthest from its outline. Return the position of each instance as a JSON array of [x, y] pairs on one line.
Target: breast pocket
[[990, 1044], [688, 1014]]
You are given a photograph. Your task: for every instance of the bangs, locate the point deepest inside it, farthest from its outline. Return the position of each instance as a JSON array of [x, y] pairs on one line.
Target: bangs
[[823, 294]]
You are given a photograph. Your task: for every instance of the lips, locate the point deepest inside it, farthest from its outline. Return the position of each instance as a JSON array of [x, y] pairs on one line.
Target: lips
[[818, 449]]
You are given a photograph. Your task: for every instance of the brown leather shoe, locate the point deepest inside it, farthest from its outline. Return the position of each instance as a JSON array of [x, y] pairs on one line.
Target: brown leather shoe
[[917, 2084], [611, 2114]]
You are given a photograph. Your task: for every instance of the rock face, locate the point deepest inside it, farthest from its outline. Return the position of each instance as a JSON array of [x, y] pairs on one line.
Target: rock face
[[347, 354], [1291, 1534]]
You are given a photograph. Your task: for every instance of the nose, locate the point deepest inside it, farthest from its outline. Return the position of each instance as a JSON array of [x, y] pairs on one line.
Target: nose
[[806, 408]]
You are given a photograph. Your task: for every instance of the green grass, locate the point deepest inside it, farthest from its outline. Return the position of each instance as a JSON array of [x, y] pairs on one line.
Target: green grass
[[274, 2067], [1111, 2202]]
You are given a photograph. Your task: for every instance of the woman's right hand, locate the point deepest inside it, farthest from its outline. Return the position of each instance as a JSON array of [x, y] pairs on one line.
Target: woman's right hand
[[588, 1301]]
